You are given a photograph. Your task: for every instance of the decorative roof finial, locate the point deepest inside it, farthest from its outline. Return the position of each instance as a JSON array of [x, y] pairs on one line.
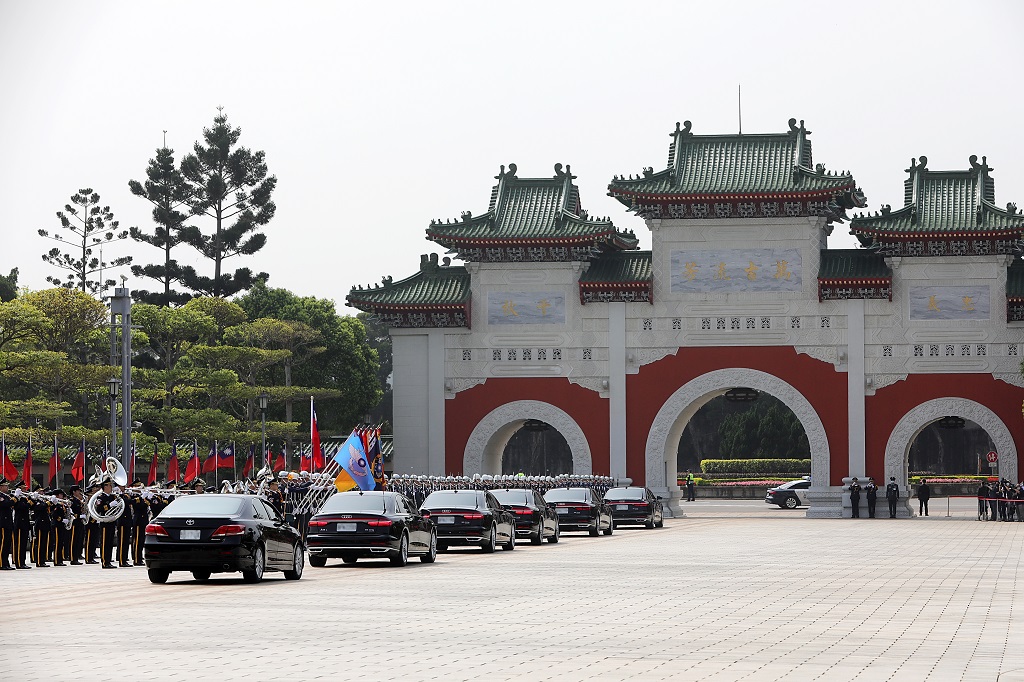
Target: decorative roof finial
[[684, 131], [467, 216], [1011, 208], [886, 209]]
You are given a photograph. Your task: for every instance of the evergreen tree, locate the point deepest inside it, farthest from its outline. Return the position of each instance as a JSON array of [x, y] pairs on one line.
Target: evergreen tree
[[165, 189], [9, 286], [92, 227], [230, 186]]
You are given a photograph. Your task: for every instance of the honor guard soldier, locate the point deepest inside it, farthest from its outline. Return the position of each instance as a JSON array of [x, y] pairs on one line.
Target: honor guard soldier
[[200, 486], [60, 517], [275, 497], [7, 502], [140, 518], [892, 495], [93, 536], [871, 494], [43, 528], [124, 532], [77, 524], [855, 498], [22, 524], [105, 502]]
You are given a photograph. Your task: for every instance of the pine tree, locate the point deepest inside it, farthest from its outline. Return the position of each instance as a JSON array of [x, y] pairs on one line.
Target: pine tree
[[165, 189], [229, 185], [93, 226]]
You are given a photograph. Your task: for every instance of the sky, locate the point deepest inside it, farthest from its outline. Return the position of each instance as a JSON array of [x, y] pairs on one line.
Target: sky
[[377, 117]]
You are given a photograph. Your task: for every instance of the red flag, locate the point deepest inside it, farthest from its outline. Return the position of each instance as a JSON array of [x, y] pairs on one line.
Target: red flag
[[54, 465], [305, 462], [279, 464], [26, 475], [172, 464], [10, 472], [316, 452], [249, 461], [193, 467], [152, 468], [131, 467], [210, 463], [226, 458], [78, 466]]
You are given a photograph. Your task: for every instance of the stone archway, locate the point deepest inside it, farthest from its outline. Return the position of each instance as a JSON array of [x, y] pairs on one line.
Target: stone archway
[[487, 442], [910, 425], [667, 428]]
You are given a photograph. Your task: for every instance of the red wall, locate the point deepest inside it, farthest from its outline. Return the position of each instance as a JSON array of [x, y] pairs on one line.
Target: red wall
[[818, 381], [884, 409], [465, 410]]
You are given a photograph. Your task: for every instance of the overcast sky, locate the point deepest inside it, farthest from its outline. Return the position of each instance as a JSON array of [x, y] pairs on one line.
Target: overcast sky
[[377, 117]]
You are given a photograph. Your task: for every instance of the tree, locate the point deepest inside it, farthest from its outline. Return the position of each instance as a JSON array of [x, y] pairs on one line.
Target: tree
[[92, 227], [9, 286], [230, 186], [164, 188], [379, 338], [74, 320]]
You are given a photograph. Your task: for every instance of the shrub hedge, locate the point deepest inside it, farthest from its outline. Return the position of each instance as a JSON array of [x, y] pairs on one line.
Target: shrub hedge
[[755, 466]]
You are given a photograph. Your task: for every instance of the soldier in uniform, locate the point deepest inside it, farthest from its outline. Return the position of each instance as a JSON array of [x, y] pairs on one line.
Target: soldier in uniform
[[275, 497], [7, 502], [93, 536], [77, 524], [140, 518], [200, 486], [106, 500], [124, 533], [61, 534], [855, 498], [41, 516], [871, 493], [22, 525], [892, 496]]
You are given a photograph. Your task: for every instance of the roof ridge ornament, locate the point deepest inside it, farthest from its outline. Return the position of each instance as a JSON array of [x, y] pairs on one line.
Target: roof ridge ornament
[[567, 173], [1011, 208], [979, 167], [510, 175], [467, 216], [922, 166], [794, 128], [886, 208], [685, 130]]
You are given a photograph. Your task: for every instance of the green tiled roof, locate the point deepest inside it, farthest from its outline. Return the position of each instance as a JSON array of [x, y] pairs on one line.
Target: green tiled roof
[[942, 203], [852, 264], [433, 285], [729, 165], [1015, 279], [619, 267], [522, 210]]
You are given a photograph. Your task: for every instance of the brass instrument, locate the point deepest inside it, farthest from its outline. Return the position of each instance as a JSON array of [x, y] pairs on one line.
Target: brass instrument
[[115, 473]]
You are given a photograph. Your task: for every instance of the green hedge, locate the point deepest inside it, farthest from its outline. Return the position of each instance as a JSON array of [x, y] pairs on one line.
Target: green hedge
[[755, 466]]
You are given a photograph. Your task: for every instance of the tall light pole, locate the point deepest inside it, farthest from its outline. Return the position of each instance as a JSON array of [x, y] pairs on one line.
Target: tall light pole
[[112, 388], [264, 400]]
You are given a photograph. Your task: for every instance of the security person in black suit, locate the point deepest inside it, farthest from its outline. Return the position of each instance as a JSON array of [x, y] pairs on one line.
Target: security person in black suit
[[7, 502], [892, 496], [104, 503], [22, 525], [855, 498]]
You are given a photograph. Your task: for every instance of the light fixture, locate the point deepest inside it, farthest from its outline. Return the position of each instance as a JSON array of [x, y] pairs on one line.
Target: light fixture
[[112, 387], [741, 395], [951, 423], [264, 400], [535, 425]]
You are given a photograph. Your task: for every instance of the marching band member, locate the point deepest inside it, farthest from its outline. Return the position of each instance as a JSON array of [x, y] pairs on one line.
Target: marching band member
[[124, 533], [7, 502], [77, 524], [22, 524], [60, 533], [92, 528], [41, 517], [140, 518], [106, 500]]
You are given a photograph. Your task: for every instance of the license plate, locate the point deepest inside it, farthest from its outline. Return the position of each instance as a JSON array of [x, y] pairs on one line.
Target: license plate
[[445, 519], [346, 527], [189, 535], [562, 510], [622, 507]]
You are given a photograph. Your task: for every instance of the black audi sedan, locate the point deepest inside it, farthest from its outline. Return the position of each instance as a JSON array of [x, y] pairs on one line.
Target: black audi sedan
[[208, 534], [635, 505], [470, 517], [535, 519], [581, 509], [375, 525]]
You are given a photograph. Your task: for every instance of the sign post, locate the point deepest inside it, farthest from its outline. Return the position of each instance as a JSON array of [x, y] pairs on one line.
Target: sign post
[[993, 459]]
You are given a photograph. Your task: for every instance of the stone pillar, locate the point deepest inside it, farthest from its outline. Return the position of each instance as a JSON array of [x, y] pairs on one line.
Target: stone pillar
[[855, 377], [617, 389]]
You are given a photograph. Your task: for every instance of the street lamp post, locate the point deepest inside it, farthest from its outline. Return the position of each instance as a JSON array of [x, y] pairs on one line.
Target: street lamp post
[[112, 388], [264, 400]]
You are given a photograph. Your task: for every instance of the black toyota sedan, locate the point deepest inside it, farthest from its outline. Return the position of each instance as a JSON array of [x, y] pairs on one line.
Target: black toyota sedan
[[535, 519], [470, 517], [635, 505], [581, 509], [208, 534], [375, 525]]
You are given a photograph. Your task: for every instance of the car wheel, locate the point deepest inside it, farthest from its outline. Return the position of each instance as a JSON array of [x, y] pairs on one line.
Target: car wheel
[[298, 563], [660, 522], [158, 575], [792, 503], [539, 537], [255, 574], [402, 558], [554, 538], [431, 554], [201, 576], [611, 527], [649, 524], [595, 530], [318, 561], [511, 544], [349, 559], [488, 546]]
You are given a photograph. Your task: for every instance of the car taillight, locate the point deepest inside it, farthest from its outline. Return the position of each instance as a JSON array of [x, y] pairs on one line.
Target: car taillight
[[426, 514], [155, 529], [379, 523], [228, 530], [473, 516], [317, 524], [524, 512], [639, 504]]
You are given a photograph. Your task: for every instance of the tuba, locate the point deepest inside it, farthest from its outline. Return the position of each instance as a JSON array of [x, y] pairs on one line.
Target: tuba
[[114, 472]]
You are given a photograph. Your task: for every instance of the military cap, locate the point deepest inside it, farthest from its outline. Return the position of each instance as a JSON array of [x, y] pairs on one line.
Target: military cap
[[74, 488]]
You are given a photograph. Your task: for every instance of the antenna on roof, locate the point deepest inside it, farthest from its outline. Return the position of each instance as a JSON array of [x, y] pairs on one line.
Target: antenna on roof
[[739, 104]]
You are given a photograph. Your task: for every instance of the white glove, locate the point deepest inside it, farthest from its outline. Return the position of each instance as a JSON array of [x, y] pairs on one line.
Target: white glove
[[52, 498], [18, 493]]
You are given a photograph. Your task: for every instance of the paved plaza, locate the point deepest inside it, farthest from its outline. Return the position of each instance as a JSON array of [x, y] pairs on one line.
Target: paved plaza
[[737, 590]]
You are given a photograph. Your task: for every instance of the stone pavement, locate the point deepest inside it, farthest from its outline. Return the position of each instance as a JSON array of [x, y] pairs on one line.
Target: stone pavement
[[737, 590]]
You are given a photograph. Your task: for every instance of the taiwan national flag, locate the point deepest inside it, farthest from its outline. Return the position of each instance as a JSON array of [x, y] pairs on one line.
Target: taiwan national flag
[[193, 468], [152, 468], [279, 463], [54, 464], [172, 464], [226, 458], [210, 463], [351, 457], [249, 461], [78, 466], [7, 468], [316, 452], [305, 462], [26, 475]]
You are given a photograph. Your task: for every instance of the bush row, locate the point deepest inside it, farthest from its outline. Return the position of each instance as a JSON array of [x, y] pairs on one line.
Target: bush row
[[755, 466]]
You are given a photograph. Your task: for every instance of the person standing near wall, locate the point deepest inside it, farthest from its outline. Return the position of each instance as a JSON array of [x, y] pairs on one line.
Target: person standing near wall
[[924, 493], [892, 496], [871, 493], [855, 498], [691, 487]]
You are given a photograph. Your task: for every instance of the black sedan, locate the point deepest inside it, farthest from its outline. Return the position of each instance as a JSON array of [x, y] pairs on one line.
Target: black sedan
[[635, 505], [208, 534], [376, 525], [581, 509], [470, 517], [535, 519]]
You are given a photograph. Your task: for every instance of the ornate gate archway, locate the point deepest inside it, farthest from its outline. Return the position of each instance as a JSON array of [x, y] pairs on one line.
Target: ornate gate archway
[[668, 425], [897, 448], [487, 442]]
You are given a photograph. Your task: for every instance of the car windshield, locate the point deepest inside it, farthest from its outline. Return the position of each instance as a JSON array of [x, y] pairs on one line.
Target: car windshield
[[453, 498], [508, 497], [356, 502], [204, 505], [566, 495], [624, 494]]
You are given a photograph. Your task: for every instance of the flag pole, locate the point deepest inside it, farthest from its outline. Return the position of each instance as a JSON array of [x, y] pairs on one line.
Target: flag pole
[[216, 469]]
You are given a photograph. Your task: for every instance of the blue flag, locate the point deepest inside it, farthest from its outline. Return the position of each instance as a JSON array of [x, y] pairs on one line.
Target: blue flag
[[352, 458]]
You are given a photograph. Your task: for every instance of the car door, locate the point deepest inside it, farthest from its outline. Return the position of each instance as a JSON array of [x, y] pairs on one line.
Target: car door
[[408, 516], [502, 526], [278, 552], [801, 491]]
